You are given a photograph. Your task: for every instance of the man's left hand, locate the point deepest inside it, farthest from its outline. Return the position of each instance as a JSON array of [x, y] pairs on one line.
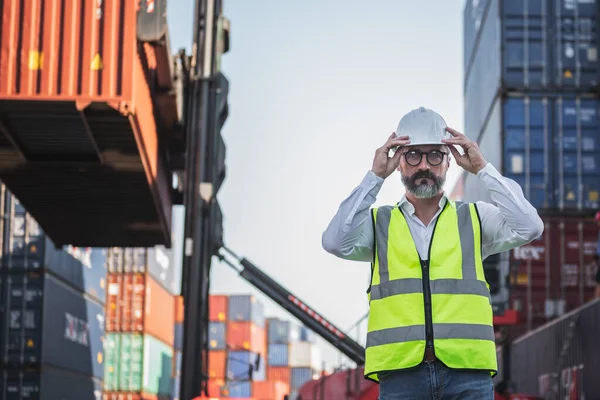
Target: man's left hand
[[472, 160]]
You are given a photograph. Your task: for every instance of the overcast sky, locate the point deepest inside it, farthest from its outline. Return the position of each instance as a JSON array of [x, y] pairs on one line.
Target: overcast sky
[[315, 87]]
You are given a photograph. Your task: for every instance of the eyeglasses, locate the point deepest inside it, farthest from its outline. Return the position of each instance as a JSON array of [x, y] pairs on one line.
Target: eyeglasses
[[414, 157]]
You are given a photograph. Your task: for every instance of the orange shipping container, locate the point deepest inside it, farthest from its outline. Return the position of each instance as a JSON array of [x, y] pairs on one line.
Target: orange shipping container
[[76, 95], [217, 362], [247, 336], [179, 310], [144, 306], [113, 297], [282, 374], [217, 308], [270, 390], [214, 387]]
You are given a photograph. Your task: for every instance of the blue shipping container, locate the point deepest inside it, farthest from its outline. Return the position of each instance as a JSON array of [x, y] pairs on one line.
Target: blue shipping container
[[27, 248], [546, 44], [300, 376], [178, 339], [178, 358], [550, 145], [246, 308], [216, 336], [176, 387], [277, 355], [282, 331], [239, 362], [306, 335], [239, 389]]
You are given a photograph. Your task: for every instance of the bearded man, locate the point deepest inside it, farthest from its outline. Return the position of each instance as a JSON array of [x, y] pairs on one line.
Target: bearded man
[[430, 330]]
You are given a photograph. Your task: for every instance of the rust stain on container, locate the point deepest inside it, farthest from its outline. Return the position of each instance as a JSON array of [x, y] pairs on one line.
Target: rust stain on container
[[74, 89]]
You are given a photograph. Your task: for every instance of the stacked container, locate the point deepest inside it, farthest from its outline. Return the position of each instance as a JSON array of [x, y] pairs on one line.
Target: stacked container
[[140, 322], [531, 101], [52, 302], [178, 347], [292, 356]]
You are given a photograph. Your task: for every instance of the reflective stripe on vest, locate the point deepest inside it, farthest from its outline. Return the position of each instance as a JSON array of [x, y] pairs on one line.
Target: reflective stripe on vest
[[463, 334]]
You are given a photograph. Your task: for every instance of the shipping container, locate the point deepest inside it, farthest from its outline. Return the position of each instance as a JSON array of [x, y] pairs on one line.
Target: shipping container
[[282, 374], [134, 396], [217, 364], [542, 44], [178, 336], [142, 305], [177, 357], [217, 308], [143, 363], [217, 339], [246, 335], [46, 319], [560, 359], [269, 390], [239, 364], [214, 387], [305, 354], [179, 310], [278, 355], [176, 388], [307, 335], [550, 145], [156, 261], [83, 125], [48, 384], [25, 247], [238, 389], [246, 308], [343, 384], [554, 273], [300, 376], [279, 331]]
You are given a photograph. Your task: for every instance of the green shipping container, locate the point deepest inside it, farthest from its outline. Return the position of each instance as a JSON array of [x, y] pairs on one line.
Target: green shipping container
[[141, 363], [112, 349]]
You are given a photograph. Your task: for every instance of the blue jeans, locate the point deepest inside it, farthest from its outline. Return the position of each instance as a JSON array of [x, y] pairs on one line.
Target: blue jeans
[[435, 381]]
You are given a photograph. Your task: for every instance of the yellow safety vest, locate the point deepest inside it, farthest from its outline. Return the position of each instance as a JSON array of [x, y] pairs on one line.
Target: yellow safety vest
[[444, 302]]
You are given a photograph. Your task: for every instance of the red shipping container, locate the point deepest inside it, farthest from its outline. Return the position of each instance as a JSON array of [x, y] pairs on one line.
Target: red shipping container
[[113, 299], [217, 308], [270, 390], [179, 309], [144, 306], [214, 387], [555, 273], [78, 68], [282, 374], [217, 363], [246, 336]]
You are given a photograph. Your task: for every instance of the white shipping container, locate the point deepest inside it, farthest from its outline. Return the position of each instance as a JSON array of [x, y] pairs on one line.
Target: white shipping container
[[305, 355]]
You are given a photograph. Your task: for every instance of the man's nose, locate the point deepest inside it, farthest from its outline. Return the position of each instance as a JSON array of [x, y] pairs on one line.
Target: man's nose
[[424, 164]]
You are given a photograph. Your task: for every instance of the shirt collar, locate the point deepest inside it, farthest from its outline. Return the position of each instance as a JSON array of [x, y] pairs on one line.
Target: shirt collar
[[407, 206]]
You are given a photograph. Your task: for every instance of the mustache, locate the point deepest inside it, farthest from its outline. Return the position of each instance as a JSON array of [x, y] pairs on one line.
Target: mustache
[[423, 174]]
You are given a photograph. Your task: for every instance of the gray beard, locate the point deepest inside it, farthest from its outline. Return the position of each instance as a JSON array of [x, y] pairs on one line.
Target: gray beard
[[423, 191]]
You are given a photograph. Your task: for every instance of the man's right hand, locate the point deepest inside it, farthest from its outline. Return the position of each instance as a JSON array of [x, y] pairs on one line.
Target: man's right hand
[[383, 165]]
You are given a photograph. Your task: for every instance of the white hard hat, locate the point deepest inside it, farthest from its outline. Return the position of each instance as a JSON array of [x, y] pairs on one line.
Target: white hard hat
[[423, 126]]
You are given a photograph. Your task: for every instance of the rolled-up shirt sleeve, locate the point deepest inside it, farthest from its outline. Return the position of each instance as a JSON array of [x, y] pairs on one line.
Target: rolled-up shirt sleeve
[[511, 221], [349, 234]]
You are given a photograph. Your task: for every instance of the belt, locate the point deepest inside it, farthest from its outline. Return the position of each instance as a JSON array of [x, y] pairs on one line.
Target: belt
[[429, 355]]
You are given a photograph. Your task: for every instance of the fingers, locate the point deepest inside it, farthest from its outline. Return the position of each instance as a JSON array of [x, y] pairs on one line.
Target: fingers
[[454, 132], [454, 152]]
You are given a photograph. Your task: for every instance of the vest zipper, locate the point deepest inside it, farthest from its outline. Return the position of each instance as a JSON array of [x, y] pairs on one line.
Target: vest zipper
[[427, 302]]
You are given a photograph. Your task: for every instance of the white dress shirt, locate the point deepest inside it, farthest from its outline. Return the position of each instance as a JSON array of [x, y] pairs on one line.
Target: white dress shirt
[[511, 222]]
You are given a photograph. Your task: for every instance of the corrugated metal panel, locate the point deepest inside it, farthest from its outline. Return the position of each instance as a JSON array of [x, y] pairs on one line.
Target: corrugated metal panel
[[555, 273], [214, 387], [299, 376], [306, 335], [146, 364], [280, 331], [48, 320], [143, 306], [178, 336], [217, 308], [246, 335], [278, 355], [560, 360], [50, 384], [217, 361], [246, 308], [67, 97], [27, 248], [239, 363], [217, 336], [545, 44], [269, 390], [282, 374], [304, 354], [549, 146], [179, 309], [112, 371], [239, 389]]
